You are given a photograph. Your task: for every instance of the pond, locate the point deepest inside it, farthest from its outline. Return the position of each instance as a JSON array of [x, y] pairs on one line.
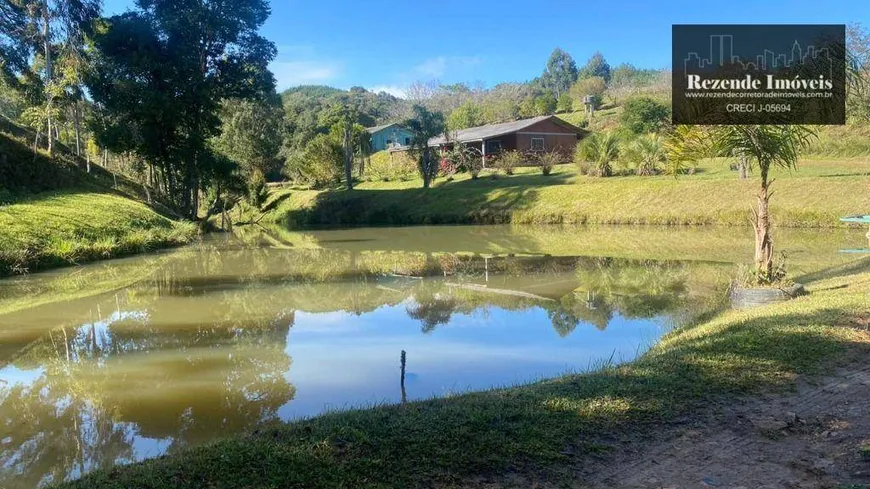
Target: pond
[[123, 360]]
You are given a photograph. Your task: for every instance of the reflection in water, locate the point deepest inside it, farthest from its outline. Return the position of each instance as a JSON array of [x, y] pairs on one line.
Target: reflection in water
[[125, 360]]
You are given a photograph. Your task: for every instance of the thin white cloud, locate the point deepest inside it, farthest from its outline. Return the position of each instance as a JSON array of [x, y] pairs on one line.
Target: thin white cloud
[[394, 90], [291, 73], [441, 65]]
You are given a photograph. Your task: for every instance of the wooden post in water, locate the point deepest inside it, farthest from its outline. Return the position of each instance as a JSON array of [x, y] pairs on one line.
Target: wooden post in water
[[404, 395]]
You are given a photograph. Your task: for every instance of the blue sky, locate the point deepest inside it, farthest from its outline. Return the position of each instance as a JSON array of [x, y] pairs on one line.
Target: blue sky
[[381, 44]]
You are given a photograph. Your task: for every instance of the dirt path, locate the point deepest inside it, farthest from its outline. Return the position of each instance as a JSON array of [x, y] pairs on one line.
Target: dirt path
[[810, 439]]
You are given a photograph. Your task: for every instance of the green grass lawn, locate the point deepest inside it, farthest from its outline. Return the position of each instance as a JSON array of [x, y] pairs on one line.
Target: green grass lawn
[[537, 430], [816, 195], [70, 227]]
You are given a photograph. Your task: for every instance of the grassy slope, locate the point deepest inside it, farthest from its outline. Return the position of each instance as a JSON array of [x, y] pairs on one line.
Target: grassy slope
[[538, 428], [68, 227], [816, 195], [61, 215]]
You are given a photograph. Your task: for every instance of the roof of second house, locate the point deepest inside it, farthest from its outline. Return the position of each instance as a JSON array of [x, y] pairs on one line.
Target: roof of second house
[[375, 129], [493, 130]]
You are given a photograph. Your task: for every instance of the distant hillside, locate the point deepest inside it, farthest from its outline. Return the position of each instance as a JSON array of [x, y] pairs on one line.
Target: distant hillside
[[308, 109]]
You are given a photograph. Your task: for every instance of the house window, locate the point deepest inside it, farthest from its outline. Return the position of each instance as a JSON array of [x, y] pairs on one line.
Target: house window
[[407, 141], [493, 147], [538, 144]]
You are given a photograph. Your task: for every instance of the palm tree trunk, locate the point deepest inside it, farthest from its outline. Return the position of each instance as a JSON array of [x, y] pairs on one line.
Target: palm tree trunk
[[426, 170], [763, 241]]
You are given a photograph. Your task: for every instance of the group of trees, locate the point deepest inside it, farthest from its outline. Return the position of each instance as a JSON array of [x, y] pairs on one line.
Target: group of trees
[[179, 97], [179, 90]]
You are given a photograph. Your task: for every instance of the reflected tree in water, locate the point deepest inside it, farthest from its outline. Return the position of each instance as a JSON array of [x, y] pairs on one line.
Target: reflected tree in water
[[431, 307], [158, 376]]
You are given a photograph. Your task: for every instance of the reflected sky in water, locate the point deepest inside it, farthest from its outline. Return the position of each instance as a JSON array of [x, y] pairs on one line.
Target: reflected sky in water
[[474, 351]]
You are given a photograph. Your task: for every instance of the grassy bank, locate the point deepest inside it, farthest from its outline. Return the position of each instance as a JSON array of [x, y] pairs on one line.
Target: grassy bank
[[536, 429], [816, 195], [69, 227]]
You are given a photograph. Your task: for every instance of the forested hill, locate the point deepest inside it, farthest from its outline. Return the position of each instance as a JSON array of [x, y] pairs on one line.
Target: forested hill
[[313, 109]]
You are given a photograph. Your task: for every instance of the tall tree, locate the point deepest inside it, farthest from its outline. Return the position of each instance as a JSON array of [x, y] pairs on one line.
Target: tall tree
[[14, 49], [596, 66], [160, 74], [251, 132], [45, 29], [560, 74], [466, 115], [425, 125]]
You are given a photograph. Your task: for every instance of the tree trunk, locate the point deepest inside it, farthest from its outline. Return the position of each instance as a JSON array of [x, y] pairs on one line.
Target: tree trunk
[[763, 242], [78, 129], [742, 166], [348, 156], [46, 40], [426, 170]]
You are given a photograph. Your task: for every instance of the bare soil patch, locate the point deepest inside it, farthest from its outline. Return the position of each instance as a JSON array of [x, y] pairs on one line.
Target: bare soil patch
[[815, 437], [818, 437]]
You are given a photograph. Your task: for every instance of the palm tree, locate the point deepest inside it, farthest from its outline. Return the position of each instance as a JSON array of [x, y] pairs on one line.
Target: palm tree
[[601, 149], [425, 125], [645, 154], [763, 147], [684, 146]]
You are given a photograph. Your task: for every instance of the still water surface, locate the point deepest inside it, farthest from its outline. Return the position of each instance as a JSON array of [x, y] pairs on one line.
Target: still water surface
[[124, 360]]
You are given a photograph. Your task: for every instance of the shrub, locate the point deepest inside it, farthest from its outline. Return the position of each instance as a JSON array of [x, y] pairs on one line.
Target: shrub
[[565, 103], [466, 158], [257, 191], [447, 168], [321, 163], [549, 160], [509, 160], [596, 153], [385, 166], [642, 115], [644, 155]]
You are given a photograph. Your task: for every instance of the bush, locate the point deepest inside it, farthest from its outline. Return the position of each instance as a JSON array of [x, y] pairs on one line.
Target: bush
[[321, 163], [596, 153], [549, 160], [447, 168], [509, 160], [565, 103], [642, 115], [644, 155], [465, 158], [385, 166], [257, 191]]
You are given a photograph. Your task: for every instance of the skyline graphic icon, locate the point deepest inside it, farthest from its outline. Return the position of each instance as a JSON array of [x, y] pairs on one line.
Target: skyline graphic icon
[[721, 55]]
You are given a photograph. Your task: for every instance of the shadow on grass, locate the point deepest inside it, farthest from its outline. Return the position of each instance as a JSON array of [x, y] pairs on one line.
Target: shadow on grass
[[531, 429], [498, 181], [452, 204], [856, 267]]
